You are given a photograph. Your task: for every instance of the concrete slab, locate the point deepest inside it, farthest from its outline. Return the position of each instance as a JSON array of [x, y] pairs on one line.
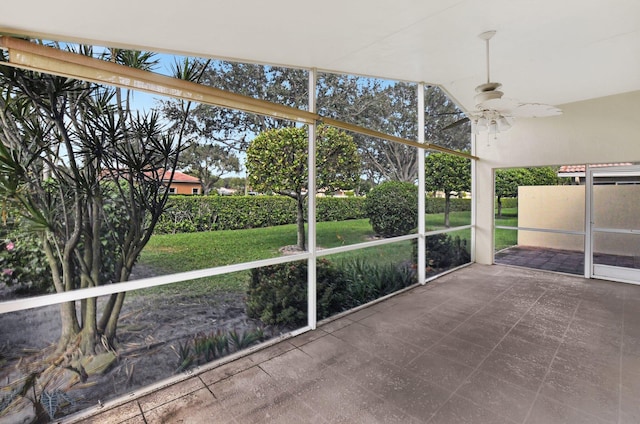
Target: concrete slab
[[484, 344]]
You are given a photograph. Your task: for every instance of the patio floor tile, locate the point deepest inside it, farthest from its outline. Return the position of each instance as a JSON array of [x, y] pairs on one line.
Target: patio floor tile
[[535, 348]]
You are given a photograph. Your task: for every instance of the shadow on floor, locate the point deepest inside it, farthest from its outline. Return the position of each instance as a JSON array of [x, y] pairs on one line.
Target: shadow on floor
[[558, 260]]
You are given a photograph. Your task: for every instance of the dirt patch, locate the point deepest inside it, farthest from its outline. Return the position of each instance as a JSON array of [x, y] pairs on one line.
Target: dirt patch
[[294, 249], [151, 328]]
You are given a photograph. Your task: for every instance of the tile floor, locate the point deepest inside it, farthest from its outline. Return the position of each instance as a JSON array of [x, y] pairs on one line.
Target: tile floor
[[567, 261], [485, 344]]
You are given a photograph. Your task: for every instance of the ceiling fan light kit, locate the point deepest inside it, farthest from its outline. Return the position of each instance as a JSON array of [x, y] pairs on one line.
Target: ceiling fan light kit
[[496, 114]]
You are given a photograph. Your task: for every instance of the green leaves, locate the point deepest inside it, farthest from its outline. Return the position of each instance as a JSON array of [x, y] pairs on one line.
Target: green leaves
[[392, 208], [508, 180], [277, 160], [447, 173]]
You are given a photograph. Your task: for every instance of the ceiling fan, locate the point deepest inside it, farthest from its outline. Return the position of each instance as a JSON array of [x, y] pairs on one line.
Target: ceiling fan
[[494, 113]]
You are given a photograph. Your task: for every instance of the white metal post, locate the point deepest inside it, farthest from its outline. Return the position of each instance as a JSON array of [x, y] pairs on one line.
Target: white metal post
[[474, 203], [588, 221], [311, 199], [422, 207]]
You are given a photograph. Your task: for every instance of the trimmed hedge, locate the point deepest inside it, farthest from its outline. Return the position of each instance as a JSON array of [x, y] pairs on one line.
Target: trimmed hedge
[[436, 205], [508, 202], [188, 214], [339, 208]]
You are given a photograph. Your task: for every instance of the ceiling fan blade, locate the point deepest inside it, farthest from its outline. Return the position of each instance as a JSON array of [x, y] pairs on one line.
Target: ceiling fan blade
[[534, 110], [455, 124]]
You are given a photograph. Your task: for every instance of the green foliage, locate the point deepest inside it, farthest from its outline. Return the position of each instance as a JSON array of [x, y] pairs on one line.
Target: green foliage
[[447, 173], [508, 180], [87, 174], [203, 348], [437, 205], [339, 208], [444, 252], [185, 357], [508, 203], [209, 162], [208, 213], [23, 265], [277, 294], [277, 160], [246, 338], [366, 280], [392, 208], [186, 214]]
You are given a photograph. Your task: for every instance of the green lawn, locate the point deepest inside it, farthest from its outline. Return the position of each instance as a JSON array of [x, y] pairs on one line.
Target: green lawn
[[503, 238], [435, 221], [171, 253], [506, 238]]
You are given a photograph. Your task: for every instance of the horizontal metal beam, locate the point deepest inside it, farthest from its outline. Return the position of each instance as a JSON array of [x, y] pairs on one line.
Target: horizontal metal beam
[[541, 230], [27, 55]]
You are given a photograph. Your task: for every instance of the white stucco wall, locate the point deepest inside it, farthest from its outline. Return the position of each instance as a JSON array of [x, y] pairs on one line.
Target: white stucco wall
[[593, 131]]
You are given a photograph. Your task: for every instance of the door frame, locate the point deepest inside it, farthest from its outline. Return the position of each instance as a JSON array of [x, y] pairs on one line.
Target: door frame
[[606, 272]]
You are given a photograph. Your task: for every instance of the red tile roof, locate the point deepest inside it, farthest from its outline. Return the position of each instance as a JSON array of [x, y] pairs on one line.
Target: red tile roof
[[581, 168], [179, 177]]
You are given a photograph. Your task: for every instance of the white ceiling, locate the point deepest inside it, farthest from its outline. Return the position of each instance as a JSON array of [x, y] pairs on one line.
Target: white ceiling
[[548, 51]]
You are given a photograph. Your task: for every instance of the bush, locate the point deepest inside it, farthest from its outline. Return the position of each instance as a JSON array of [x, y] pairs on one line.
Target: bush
[[339, 208], [277, 294], [436, 205], [23, 264], [187, 214], [367, 281], [507, 202], [444, 251], [392, 208]]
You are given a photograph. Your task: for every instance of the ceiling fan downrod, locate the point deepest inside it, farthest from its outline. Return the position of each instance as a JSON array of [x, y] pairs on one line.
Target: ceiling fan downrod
[[488, 90]]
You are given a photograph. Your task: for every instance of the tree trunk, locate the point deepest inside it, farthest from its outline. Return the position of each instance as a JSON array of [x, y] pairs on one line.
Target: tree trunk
[[302, 243], [499, 207], [112, 324], [70, 325], [89, 332], [447, 207], [106, 312]]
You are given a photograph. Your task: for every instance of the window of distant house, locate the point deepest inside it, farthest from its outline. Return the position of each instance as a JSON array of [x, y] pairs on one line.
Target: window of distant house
[[172, 190], [195, 190]]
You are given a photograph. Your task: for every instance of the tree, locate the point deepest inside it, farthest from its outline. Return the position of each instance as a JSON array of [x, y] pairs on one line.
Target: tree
[[233, 128], [389, 107], [208, 162], [507, 181], [277, 161], [447, 173], [86, 172]]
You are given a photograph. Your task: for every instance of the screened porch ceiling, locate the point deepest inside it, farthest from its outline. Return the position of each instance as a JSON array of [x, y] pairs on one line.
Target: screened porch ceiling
[[545, 51]]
